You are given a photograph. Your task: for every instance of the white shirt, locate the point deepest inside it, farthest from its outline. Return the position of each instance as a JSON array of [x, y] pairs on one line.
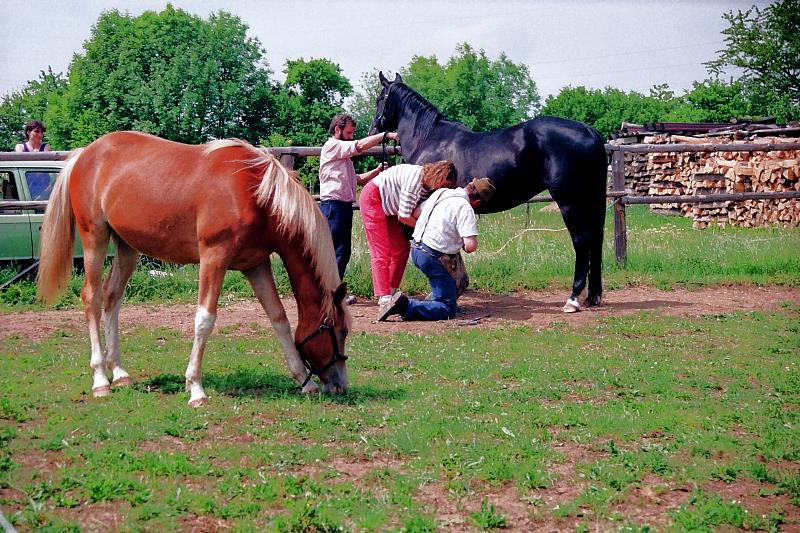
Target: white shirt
[[337, 176], [445, 220]]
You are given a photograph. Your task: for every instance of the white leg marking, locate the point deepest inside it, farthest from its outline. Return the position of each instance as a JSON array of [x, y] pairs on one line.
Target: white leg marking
[[203, 326], [296, 366], [100, 385], [572, 306], [111, 320]]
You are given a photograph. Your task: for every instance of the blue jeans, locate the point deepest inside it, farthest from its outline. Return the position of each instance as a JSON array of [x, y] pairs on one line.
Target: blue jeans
[[340, 219], [442, 304]]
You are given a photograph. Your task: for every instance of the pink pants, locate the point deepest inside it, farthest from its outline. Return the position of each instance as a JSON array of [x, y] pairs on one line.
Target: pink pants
[[388, 247]]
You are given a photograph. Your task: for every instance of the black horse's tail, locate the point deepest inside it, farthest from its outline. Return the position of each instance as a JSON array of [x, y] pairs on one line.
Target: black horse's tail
[[599, 177]]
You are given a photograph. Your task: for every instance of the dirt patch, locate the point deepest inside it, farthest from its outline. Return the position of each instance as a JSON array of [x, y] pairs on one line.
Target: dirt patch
[[476, 309], [98, 517], [757, 498], [204, 524]]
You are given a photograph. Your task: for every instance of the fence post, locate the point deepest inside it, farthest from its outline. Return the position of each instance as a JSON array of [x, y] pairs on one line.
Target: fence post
[[620, 229], [287, 160]]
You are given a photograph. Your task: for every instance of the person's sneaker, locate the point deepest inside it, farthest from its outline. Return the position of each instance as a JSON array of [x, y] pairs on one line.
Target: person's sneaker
[[396, 305], [350, 299]]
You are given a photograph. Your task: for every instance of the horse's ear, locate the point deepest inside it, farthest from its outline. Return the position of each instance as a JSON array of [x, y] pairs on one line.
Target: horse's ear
[[383, 79], [397, 79], [339, 294]]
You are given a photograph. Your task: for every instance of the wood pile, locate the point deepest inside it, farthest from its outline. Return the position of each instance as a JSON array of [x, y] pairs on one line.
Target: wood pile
[[701, 173]]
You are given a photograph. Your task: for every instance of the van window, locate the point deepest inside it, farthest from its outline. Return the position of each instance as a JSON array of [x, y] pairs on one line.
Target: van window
[[40, 183], [8, 192], [8, 189]]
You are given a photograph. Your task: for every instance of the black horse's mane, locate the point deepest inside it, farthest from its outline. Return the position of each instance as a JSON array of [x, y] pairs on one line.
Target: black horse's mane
[[425, 114]]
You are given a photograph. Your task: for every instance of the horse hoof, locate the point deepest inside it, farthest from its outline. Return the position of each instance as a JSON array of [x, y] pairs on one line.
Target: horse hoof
[[198, 402], [102, 392], [572, 306], [122, 382], [311, 388]]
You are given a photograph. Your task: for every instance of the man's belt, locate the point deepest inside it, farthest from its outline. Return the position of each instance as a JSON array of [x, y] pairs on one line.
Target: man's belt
[[427, 249]]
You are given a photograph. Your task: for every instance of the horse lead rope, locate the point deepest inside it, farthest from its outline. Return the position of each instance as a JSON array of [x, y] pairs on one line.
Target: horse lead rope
[[384, 157]]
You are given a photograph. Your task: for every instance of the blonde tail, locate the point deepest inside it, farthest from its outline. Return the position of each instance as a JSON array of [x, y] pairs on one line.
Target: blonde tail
[[57, 238]]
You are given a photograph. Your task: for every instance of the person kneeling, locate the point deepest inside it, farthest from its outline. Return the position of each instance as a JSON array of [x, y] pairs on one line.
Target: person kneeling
[[446, 224]]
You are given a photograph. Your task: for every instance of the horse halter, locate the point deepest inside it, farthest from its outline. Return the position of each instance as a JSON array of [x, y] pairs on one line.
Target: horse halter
[[377, 122], [327, 325]]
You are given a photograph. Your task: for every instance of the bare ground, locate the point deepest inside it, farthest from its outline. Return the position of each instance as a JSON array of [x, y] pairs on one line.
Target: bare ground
[[476, 309]]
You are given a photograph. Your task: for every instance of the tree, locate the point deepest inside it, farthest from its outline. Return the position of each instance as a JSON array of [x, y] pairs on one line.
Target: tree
[[171, 74], [31, 102], [472, 89], [606, 110], [765, 45], [362, 104], [314, 91], [713, 101]]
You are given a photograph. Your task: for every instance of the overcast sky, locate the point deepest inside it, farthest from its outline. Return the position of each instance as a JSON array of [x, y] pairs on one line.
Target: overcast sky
[[626, 44]]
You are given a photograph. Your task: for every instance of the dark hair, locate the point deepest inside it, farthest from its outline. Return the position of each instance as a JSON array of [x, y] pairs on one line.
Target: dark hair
[[341, 120], [439, 175], [32, 125]]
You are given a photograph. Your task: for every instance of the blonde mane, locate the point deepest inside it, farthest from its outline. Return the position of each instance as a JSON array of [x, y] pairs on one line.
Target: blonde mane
[[297, 212]]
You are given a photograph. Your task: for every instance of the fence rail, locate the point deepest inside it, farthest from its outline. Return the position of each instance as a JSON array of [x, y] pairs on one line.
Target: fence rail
[[691, 147], [621, 197]]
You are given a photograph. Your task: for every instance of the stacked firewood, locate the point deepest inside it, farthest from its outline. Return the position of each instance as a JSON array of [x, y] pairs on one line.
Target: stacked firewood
[[701, 173]]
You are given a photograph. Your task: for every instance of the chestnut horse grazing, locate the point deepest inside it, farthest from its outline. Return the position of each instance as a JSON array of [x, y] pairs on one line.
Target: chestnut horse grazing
[[225, 205]]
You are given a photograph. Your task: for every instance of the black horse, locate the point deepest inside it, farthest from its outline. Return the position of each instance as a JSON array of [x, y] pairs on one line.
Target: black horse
[[566, 157]]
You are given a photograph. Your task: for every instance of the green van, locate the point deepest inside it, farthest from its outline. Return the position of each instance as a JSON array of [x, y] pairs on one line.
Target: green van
[[24, 181]]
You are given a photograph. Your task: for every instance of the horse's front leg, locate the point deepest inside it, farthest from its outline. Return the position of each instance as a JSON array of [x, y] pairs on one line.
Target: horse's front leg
[[263, 283], [212, 275]]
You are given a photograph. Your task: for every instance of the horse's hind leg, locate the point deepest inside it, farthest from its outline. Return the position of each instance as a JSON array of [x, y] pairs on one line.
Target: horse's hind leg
[[95, 244], [113, 290], [263, 283], [596, 264], [577, 222], [212, 274]]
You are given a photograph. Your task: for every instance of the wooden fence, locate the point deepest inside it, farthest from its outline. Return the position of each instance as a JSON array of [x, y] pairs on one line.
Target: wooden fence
[[617, 154]]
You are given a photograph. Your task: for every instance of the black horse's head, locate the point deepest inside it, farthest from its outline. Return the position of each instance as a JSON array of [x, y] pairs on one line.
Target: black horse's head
[[385, 114]]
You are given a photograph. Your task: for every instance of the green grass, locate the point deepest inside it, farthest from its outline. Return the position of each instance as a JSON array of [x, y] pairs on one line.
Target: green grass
[[692, 403], [521, 250]]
